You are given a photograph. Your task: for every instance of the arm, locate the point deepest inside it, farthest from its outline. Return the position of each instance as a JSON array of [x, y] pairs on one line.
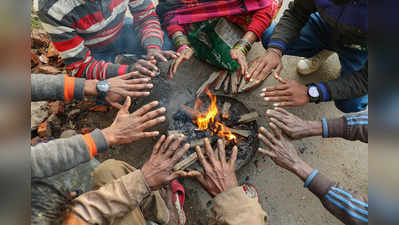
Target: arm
[[59, 155], [346, 87]]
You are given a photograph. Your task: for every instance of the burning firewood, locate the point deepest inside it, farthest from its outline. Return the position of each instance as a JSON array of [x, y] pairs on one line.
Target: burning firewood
[[206, 84], [244, 133], [234, 82], [249, 117], [226, 110], [226, 84], [219, 82], [190, 112]]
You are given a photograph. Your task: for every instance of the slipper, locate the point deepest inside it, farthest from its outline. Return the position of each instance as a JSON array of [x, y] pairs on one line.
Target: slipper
[[178, 200], [251, 191]]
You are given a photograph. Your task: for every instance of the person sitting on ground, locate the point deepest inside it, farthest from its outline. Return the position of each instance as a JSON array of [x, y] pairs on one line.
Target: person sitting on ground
[[192, 24], [90, 34], [348, 206], [306, 29], [124, 188]]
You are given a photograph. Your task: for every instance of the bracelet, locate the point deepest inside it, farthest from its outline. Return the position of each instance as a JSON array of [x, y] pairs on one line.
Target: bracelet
[[310, 178], [242, 48], [182, 48], [181, 40], [246, 42], [274, 51]]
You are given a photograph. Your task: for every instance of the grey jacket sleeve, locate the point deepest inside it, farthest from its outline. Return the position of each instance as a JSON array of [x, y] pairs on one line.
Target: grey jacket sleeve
[[351, 127], [49, 87], [59, 155]]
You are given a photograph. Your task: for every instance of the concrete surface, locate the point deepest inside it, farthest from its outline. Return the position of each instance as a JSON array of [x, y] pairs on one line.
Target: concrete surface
[[282, 194]]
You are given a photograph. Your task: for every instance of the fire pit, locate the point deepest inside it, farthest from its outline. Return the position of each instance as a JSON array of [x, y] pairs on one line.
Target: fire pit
[[214, 117]]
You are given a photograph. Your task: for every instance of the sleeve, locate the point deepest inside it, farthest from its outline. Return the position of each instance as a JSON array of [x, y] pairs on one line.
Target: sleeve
[[75, 54], [261, 19], [59, 155], [346, 87], [350, 127], [293, 20], [349, 207], [60, 87], [147, 23], [113, 200], [234, 207]]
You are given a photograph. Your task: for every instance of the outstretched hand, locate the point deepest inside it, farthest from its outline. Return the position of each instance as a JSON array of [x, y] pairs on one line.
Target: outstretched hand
[[185, 54], [158, 170], [128, 128], [219, 175], [161, 56], [290, 93]]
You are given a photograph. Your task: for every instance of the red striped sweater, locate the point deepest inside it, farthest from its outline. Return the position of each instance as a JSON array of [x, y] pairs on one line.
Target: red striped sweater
[[76, 25]]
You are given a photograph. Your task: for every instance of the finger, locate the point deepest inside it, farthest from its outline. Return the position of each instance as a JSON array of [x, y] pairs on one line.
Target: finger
[[274, 114], [279, 124], [153, 123], [136, 87], [282, 111], [165, 145], [126, 105], [115, 104], [150, 65], [276, 93], [179, 154], [138, 81], [160, 57], [267, 152], [177, 64], [190, 174], [145, 108], [135, 94], [173, 147], [158, 145], [276, 74], [278, 99], [171, 66], [276, 131], [209, 152], [202, 159], [252, 69], [199, 176], [170, 54], [285, 104], [222, 151], [265, 141], [151, 115], [143, 135], [176, 174], [233, 156], [268, 135], [274, 88], [128, 75], [258, 72]]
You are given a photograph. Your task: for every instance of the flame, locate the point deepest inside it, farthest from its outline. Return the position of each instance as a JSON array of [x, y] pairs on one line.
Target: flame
[[206, 120]]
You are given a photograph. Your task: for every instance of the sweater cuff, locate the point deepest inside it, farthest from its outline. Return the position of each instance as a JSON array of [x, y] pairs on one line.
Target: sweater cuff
[[335, 127], [320, 185], [277, 44], [95, 142], [79, 88], [324, 92], [153, 42]]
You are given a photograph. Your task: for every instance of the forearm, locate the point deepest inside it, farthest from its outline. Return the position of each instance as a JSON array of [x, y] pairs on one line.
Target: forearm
[[234, 207], [113, 200], [262, 19], [59, 155]]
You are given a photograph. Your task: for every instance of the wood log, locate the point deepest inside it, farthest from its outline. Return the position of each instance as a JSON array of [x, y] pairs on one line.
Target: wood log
[[244, 133], [206, 84], [242, 85], [197, 142], [190, 112], [249, 117], [249, 86], [226, 84], [182, 165], [226, 110], [234, 82], [175, 132], [219, 81]]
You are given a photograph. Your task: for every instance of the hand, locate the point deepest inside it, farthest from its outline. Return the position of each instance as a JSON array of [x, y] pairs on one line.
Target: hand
[[294, 126], [128, 128], [185, 54], [158, 170], [282, 152], [219, 175], [262, 66], [161, 56], [291, 93], [145, 67], [123, 86], [241, 59]]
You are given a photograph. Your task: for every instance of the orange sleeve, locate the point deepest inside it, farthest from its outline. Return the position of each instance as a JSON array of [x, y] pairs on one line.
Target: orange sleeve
[[69, 88], [90, 144]]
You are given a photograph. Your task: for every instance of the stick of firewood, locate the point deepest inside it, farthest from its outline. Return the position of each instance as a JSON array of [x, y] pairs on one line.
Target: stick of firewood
[[234, 82], [249, 86], [226, 84], [244, 133], [191, 112], [219, 82], [249, 117], [205, 85], [242, 85], [226, 110], [182, 165], [175, 132]]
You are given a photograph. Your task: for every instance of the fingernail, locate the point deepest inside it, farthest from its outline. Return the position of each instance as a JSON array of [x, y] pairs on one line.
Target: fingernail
[[267, 99], [251, 80], [155, 102], [163, 109], [147, 93], [163, 118], [268, 111], [275, 104], [150, 85], [262, 95], [264, 89], [206, 139], [187, 145], [157, 133], [261, 128]]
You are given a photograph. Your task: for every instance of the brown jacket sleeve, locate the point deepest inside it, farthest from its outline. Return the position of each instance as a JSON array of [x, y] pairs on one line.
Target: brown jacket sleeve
[[113, 200], [351, 127], [234, 207], [348, 206]]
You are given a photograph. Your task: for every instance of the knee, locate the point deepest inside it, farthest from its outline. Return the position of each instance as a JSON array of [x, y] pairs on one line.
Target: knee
[[110, 170]]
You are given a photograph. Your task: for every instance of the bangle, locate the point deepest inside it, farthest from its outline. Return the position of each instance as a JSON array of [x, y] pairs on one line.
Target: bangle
[[310, 178], [246, 42], [182, 48], [242, 48]]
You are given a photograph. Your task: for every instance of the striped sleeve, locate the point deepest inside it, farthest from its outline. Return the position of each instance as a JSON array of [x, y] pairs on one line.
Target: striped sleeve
[[147, 23], [348, 206], [351, 127], [75, 54]]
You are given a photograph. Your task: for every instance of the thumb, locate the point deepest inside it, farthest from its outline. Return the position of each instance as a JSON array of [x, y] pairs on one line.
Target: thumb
[[126, 105]]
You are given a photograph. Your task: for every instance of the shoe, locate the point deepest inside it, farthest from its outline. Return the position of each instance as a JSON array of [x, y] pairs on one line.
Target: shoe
[[307, 66]]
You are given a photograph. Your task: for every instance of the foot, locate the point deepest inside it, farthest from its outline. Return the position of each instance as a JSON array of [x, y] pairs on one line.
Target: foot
[[307, 66]]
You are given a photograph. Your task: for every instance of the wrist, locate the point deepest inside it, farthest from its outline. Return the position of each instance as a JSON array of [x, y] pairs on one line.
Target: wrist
[[302, 170], [90, 88], [315, 128], [276, 51], [109, 137]]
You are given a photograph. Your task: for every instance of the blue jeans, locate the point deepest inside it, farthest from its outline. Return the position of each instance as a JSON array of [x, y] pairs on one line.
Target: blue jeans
[[127, 42], [315, 36]]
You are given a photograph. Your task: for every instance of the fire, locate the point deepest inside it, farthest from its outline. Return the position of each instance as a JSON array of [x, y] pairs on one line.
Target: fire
[[206, 120]]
